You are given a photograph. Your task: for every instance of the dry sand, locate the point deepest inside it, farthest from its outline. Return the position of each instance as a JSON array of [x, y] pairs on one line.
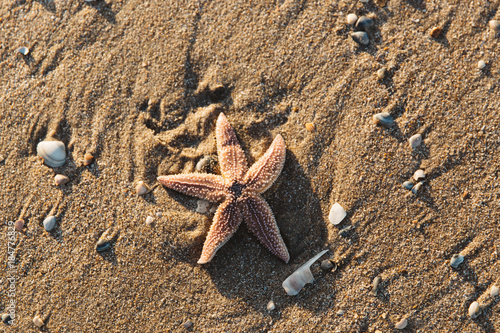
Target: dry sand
[[139, 84]]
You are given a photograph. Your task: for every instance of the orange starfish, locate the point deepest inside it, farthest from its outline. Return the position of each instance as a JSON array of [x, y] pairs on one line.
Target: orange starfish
[[239, 189]]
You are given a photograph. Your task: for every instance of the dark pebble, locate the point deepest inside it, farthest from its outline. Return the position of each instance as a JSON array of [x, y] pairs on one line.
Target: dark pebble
[[102, 245], [361, 38], [6, 318], [364, 23], [328, 265]]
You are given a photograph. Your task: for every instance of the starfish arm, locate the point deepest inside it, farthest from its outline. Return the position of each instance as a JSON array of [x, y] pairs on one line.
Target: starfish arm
[[232, 161], [260, 220], [227, 219], [201, 185], [264, 172]]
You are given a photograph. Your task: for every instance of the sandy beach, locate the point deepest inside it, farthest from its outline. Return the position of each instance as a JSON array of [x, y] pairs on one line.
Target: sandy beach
[[133, 89]]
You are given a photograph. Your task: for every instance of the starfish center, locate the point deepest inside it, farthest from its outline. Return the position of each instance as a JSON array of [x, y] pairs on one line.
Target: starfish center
[[236, 189]]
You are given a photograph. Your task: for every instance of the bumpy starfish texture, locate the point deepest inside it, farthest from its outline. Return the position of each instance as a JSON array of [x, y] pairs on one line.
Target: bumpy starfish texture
[[239, 188]]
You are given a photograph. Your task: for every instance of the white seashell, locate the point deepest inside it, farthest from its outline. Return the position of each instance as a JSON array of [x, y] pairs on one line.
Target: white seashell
[[141, 188], [337, 214], [419, 175], [401, 324], [417, 188], [456, 260], [481, 64], [38, 321], [149, 220], [49, 223], [52, 152], [60, 179], [474, 310], [352, 18], [415, 141], [23, 50], [271, 306], [298, 279]]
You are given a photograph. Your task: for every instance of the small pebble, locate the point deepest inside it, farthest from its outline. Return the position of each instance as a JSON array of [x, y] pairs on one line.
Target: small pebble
[[352, 18], [381, 3], [494, 291], [6, 318], [158, 214], [456, 260], [364, 23], [207, 164], [38, 321], [345, 231], [495, 25], [60, 180], [49, 223], [187, 324], [203, 206], [361, 38], [474, 310], [419, 175], [481, 64], [310, 127], [415, 141], [408, 185], [141, 188], [337, 214], [271, 306], [383, 119], [150, 220], [88, 158], [19, 225], [436, 32], [417, 188], [364, 1], [327, 265], [340, 312], [23, 50], [401, 324], [376, 284], [381, 73]]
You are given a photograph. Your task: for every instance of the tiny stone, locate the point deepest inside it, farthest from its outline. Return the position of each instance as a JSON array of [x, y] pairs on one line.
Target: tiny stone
[[19, 225], [158, 214], [364, 23], [383, 119], [60, 180], [417, 188], [271, 306], [361, 38], [474, 310], [141, 188], [436, 32], [187, 324], [495, 25], [352, 18], [340, 312], [381, 73], [326, 265], [364, 1], [207, 164], [150, 220], [415, 141], [419, 175], [408, 185], [456, 260], [401, 324], [203, 206], [310, 127], [6, 318], [494, 291], [381, 3], [38, 321], [49, 223], [88, 159], [337, 214], [481, 64]]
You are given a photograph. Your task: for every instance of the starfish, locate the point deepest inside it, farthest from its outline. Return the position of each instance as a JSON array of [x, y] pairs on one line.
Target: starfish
[[239, 188]]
